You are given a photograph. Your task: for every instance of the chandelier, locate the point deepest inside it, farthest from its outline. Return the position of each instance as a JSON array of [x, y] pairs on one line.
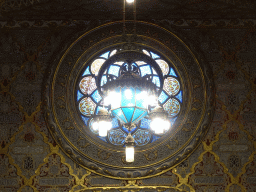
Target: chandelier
[[129, 98]]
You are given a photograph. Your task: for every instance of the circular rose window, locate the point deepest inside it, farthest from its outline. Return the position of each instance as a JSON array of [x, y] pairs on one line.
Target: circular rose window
[[89, 100], [75, 96]]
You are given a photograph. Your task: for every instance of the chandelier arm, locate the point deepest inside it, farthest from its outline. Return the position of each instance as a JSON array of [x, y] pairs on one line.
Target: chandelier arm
[[134, 15], [124, 27]]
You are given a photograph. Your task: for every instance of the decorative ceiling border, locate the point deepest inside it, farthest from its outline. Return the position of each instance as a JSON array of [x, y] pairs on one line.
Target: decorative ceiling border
[[184, 23]]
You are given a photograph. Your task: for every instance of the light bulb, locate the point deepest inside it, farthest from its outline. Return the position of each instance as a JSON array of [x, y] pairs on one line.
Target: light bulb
[[159, 125], [115, 99], [128, 94], [95, 126], [129, 153], [152, 100], [104, 127], [129, 1]]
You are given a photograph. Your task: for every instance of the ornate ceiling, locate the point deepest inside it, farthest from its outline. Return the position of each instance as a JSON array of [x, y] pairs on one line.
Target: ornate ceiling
[[112, 9]]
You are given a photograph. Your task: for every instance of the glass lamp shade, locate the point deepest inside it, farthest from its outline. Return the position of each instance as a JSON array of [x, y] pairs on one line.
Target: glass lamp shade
[[102, 122], [129, 153], [129, 104]]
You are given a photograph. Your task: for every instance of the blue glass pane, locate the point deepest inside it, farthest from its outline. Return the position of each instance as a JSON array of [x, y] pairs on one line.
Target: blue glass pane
[[103, 80], [86, 72], [96, 96], [156, 81], [103, 139], [79, 95], [128, 97], [145, 70], [142, 137], [105, 55], [119, 114], [154, 56], [114, 70], [145, 123], [179, 96], [154, 138], [163, 97], [115, 123], [138, 114], [128, 112], [116, 136], [140, 99], [85, 119], [172, 120], [172, 72]]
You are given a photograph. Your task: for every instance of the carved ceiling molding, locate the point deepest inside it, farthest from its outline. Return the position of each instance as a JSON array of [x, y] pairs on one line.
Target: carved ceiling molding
[[182, 23]]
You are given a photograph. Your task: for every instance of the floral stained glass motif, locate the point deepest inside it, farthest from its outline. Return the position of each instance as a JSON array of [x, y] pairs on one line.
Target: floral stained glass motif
[[96, 65], [142, 137], [87, 85], [87, 106], [172, 106], [163, 65], [171, 85], [117, 136]]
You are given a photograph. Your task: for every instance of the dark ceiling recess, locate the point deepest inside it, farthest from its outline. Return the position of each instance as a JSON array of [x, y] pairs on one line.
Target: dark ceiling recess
[[112, 9]]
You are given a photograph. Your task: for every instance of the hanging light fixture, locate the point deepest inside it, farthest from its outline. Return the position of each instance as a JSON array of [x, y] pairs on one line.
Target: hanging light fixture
[[130, 98], [159, 120], [102, 122]]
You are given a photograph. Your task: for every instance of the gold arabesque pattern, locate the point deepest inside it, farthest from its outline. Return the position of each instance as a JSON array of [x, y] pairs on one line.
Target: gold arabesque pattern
[[224, 115]]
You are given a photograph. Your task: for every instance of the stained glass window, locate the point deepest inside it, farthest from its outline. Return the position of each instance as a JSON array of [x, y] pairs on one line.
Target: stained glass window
[[89, 99]]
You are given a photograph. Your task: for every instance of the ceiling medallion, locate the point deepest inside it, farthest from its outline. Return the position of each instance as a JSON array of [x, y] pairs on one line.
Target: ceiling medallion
[[103, 60]]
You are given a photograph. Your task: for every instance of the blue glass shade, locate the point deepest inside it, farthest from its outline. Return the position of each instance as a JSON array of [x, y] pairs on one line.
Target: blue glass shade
[[132, 107]]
